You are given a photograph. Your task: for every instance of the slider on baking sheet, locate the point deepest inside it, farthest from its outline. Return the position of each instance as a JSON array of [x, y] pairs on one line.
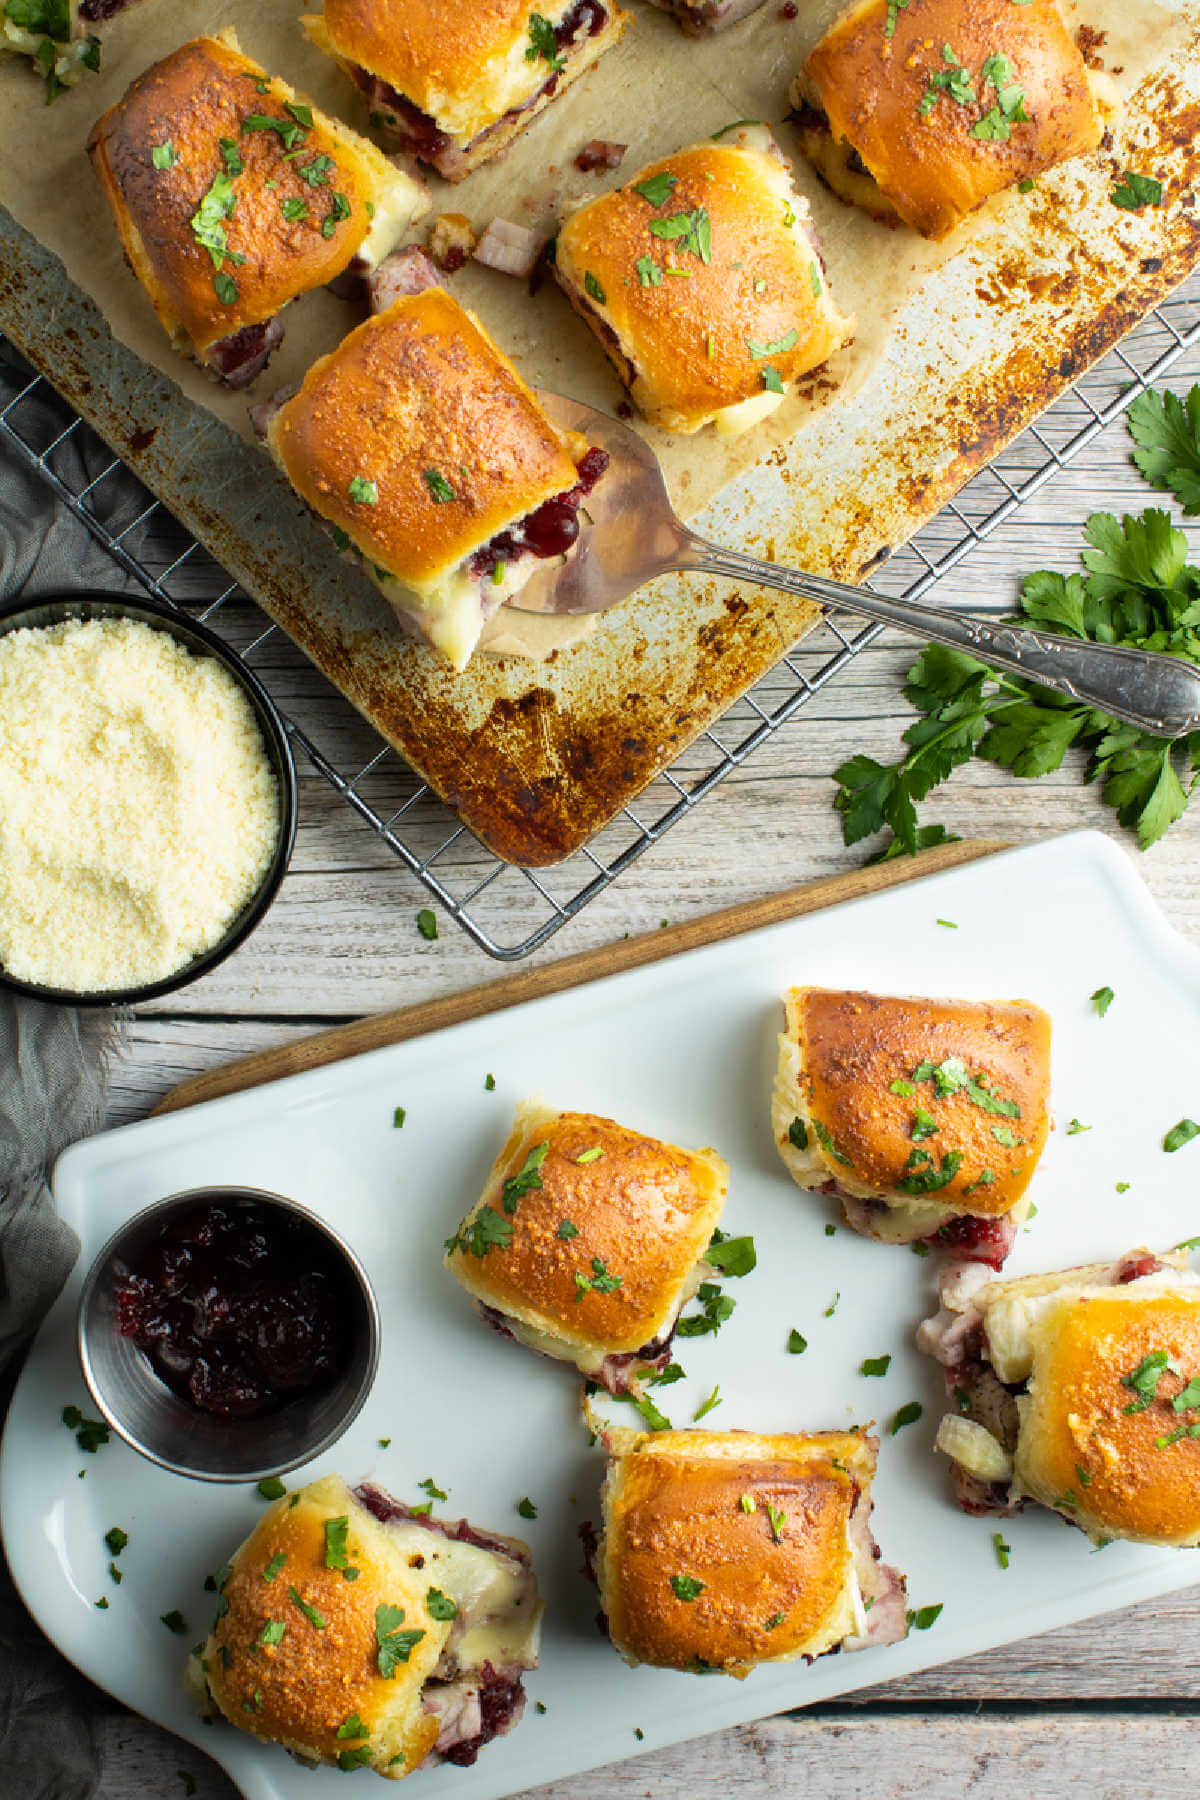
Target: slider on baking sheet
[[454, 85], [925, 1118], [357, 1634], [588, 1240], [419, 443], [721, 1550], [700, 18], [702, 282], [1079, 1390], [232, 197], [919, 110]]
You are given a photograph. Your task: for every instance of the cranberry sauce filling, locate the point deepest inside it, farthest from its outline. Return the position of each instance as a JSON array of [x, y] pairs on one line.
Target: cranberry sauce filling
[[95, 10], [550, 529], [239, 1309], [420, 135], [982, 1240], [389, 1511], [242, 355], [501, 1700]]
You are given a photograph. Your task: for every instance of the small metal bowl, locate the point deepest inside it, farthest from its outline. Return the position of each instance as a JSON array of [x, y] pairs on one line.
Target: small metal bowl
[[53, 610], [153, 1420]]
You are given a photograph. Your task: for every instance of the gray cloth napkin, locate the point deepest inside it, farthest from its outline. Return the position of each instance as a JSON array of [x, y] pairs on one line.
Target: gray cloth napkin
[[52, 1085]]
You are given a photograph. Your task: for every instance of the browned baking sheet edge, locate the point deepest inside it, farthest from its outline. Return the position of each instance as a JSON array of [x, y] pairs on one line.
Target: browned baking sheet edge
[[531, 768]]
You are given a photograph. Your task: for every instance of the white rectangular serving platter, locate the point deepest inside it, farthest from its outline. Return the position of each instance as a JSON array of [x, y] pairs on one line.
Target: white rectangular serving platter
[[683, 1049]]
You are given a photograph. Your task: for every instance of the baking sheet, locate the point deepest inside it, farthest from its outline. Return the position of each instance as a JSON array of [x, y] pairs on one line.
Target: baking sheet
[[491, 1422], [536, 759]]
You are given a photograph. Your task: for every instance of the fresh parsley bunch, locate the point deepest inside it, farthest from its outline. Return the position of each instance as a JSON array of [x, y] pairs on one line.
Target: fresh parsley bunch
[[1139, 590]]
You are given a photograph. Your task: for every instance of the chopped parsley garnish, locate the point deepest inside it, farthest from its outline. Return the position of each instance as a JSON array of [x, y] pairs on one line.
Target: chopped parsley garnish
[[953, 80], [271, 1488], [398, 1118], [798, 1134], [1134, 191], [1102, 999], [707, 1406], [440, 490], [290, 132], [894, 9], [592, 288], [213, 1584], [950, 1076], [336, 1533], [774, 1621], [1187, 1244], [487, 1230], [785, 343], [924, 1617], [543, 42], [656, 1420], [929, 1179], [1180, 1134], [225, 287], [273, 1632], [567, 1230], [317, 172], [778, 1519], [686, 1587], [689, 230], [353, 1727], [164, 155], [529, 1177], [1074, 1128], [116, 1539], [797, 1345], [230, 156], [902, 1089], [440, 1606], [906, 1415], [772, 380], [1173, 1437], [101, 1605], [115, 1573], [310, 1612], [208, 221], [429, 1486], [948, 923], [656, 188], [294, 209], [340, 210], [830, 1230], [825, 1139], [427, 924], [1004, 1134], [526, 1508], [667, 1377], [1189, 1398], [814, 276], [174, 1621], [1145, 1378], [734, 1256], [919, 1248], [363, 491], [985, 1178], [589, 1156], [1003, 1550], [598, 1282], [395, 1645], [648, 271], [1085, 1480], [489, 1084], [875, 1365], [273, 1567], [833, 1305], [716, 1309], [748, 1503], [924, 1125]]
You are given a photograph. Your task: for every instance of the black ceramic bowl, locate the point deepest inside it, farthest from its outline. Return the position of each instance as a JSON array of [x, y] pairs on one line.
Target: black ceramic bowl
[[56, 608]]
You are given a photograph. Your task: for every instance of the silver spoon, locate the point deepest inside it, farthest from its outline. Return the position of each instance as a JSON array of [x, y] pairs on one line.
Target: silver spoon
[[635, 535]]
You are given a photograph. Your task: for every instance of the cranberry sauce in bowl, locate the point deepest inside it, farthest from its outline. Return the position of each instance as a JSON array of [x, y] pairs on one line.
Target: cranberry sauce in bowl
[[239, 1309], [228, 1333]]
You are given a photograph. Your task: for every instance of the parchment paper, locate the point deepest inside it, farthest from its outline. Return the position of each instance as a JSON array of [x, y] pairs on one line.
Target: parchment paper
[[655, 92]]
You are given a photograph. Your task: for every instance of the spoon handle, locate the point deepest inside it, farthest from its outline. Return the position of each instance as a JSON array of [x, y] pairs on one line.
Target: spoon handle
[[1159, 694]]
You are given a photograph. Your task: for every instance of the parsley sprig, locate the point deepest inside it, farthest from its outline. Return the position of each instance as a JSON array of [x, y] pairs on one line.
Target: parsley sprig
[[1138, 590]]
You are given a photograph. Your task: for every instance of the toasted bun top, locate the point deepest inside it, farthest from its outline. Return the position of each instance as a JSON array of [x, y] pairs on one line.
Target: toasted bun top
[[299, 1691], [985, 1068], [701, 340], [644, 1210], [673, 1508], [421, 402], [184, 106], [931, 165], [463, 65], [1079, 1441]]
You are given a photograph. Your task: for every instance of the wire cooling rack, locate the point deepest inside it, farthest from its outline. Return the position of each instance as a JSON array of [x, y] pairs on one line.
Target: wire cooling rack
[[509, 911]]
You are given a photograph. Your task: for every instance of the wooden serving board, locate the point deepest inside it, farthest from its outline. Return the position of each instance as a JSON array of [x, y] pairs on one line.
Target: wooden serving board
[[570, 971]]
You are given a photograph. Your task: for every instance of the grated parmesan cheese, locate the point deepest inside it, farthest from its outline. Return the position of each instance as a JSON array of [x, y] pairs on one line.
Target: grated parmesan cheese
[[138, 809]]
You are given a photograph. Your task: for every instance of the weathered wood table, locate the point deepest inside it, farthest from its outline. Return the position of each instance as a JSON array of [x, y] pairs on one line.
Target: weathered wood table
[[1107, 1709]]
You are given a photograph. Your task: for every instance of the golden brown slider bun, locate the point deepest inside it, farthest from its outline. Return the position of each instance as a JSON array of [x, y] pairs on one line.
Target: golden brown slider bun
[[480, 73], [712, 324], [927, 1109], [930, 157], [723, 1549], [423, 417], [588, 1256], [1101, 1357], [340, 1668], [183, 136]]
